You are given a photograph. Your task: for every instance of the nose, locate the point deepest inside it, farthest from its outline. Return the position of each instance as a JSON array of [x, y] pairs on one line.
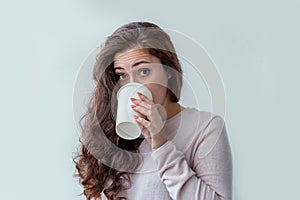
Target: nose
[[133, 78]]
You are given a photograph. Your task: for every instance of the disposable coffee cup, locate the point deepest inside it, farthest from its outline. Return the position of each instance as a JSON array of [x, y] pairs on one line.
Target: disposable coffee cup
[[126, 126]]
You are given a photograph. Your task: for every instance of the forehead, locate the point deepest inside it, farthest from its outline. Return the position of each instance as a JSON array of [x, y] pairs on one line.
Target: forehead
[[130, 56]]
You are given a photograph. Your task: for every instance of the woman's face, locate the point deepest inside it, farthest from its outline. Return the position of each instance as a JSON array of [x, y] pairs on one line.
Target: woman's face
[[137, 65]]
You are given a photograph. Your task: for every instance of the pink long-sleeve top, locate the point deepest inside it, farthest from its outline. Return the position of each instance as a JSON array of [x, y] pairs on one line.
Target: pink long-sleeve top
[[195, 163]]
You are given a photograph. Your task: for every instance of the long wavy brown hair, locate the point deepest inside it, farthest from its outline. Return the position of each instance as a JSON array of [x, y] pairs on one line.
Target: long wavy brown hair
[[105, 160]]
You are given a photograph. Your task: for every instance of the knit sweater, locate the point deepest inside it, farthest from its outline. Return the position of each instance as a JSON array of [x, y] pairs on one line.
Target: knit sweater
[[195, 162]]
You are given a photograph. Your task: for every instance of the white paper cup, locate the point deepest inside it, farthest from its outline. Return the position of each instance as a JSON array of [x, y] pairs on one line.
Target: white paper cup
[[126, 126]]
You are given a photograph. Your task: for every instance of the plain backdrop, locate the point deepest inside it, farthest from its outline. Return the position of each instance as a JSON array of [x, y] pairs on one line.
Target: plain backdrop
[[254, 44]]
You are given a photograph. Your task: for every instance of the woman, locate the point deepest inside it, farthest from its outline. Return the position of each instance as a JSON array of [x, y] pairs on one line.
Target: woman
[[189, 148]]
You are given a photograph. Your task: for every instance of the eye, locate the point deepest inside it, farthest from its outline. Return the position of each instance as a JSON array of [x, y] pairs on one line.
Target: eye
[[144, 72], [122, 76]]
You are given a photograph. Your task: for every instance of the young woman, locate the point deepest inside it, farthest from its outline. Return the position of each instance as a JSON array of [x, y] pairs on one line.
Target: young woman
[[190, 156]]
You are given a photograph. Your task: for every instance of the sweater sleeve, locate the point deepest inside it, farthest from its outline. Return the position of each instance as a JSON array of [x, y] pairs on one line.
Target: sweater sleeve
[[208, 176]]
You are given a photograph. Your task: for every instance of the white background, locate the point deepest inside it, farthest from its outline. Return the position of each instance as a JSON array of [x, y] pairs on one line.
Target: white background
[[255, 45]]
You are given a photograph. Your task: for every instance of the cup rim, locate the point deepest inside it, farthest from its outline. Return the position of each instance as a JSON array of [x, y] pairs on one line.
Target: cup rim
[[132, 84], [127, 136]]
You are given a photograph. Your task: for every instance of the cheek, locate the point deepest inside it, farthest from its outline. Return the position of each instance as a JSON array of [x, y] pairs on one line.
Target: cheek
[[158, 92], [159, 76], [161, 79]]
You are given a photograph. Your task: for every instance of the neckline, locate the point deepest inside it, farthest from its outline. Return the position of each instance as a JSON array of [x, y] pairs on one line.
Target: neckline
[[174, 117], [173, 124]]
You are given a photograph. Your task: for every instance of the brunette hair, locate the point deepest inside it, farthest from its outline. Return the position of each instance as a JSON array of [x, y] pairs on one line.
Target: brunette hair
[[105, 160]]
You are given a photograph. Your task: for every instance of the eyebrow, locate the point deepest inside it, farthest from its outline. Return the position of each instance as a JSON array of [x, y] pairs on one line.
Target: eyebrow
[[134, 65]]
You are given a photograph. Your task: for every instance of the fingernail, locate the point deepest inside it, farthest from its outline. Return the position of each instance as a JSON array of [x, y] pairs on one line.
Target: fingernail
[[132, 99], [133, 106]]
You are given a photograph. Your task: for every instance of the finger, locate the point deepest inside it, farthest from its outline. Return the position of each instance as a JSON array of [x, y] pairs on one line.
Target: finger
[[141, 110], [142, 121], [144, 98], [140, 103]]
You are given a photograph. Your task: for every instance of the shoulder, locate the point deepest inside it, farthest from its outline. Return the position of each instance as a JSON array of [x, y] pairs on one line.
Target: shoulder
[[195, 126], [210, 132], [201, 119]]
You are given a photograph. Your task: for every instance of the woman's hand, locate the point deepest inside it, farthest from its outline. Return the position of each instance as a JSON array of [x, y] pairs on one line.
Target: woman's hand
[[152, 120]]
